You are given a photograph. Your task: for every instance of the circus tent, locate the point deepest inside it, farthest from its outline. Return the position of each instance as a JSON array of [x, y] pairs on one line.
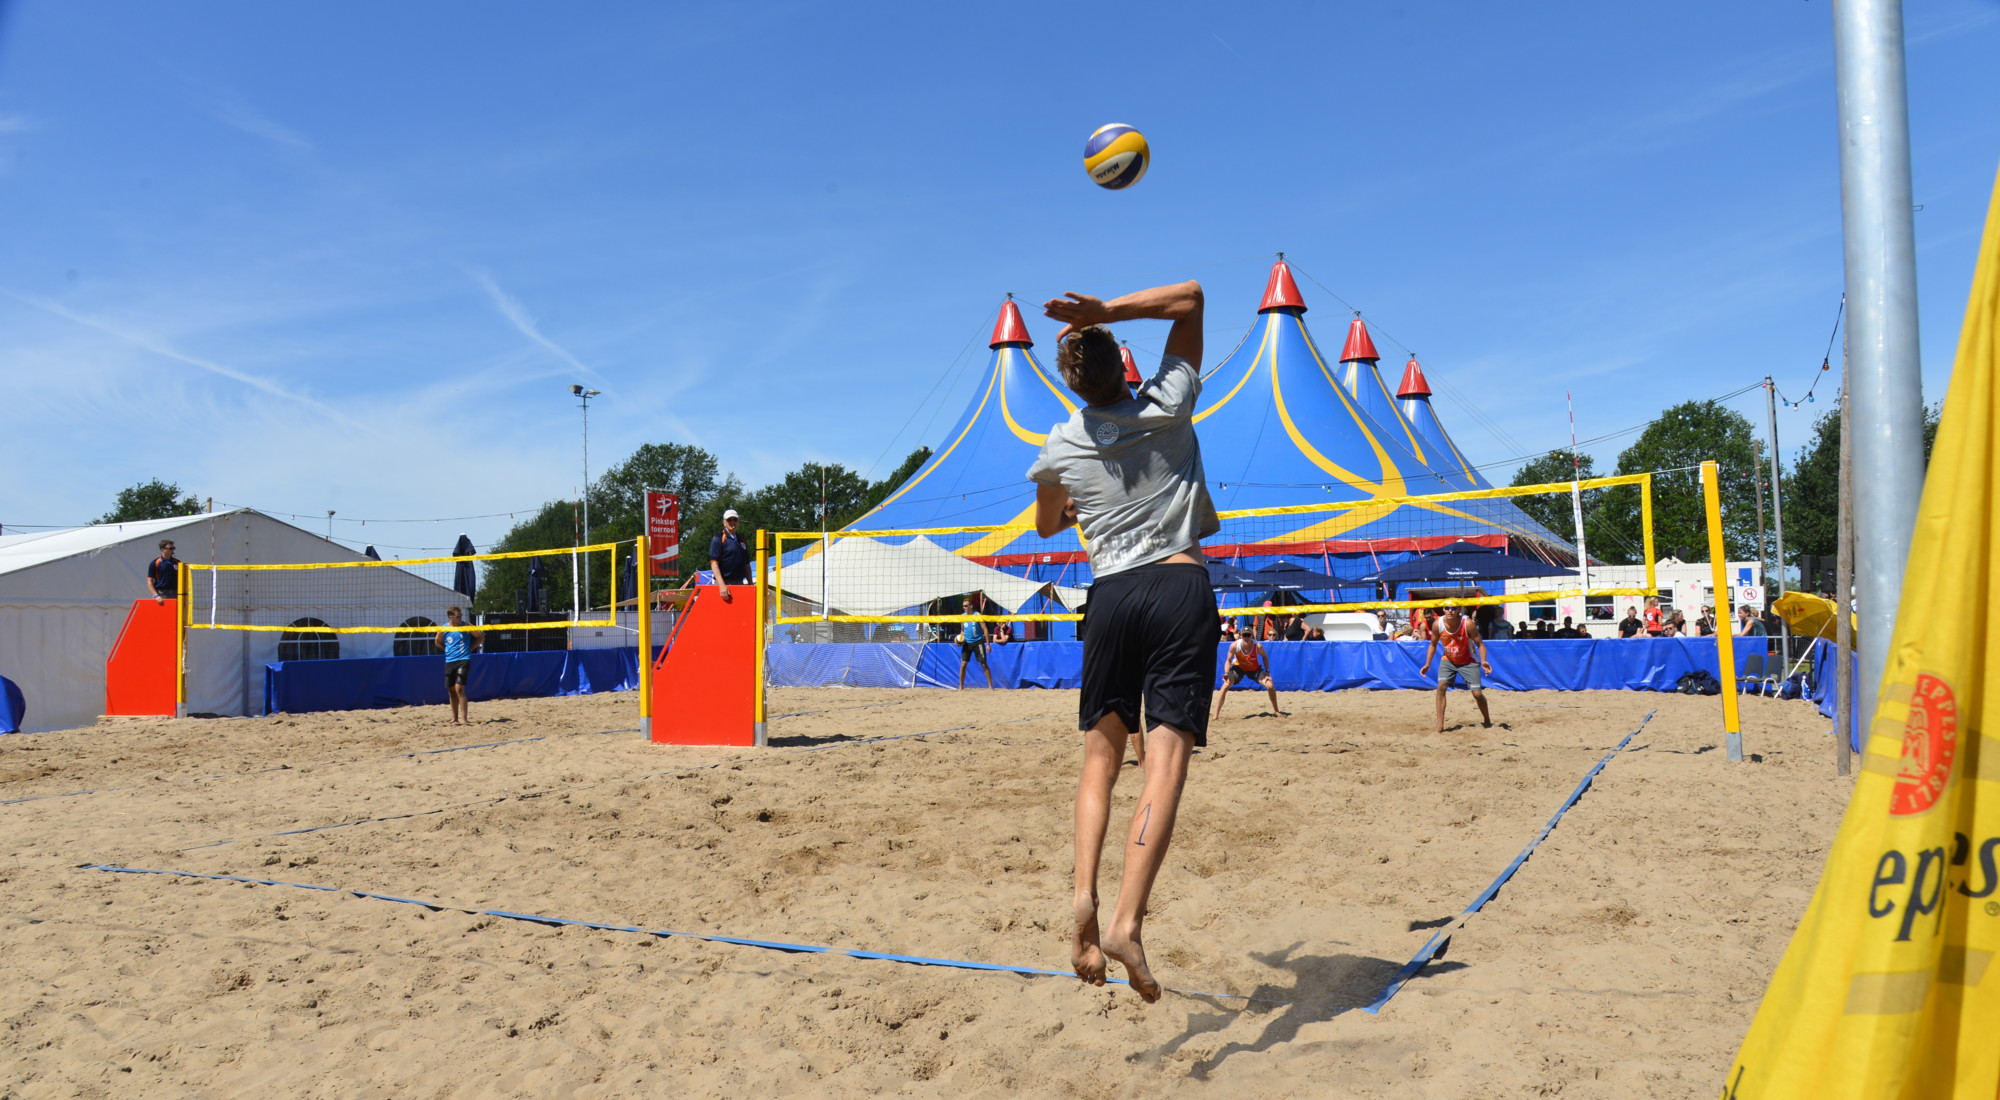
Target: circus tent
[[1279, 425], [1414, 401]]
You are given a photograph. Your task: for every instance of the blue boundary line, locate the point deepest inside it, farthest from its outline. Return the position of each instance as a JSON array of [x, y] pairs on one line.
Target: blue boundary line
[[738, 941], [334, 764], [1443, 935], [552, 790]]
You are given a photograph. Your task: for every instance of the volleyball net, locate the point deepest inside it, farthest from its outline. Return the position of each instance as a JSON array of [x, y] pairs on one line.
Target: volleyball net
[[1468, 549], [524, 590]]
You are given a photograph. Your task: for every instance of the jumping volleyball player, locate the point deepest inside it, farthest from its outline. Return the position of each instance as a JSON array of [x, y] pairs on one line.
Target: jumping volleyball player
[[1127, 468]]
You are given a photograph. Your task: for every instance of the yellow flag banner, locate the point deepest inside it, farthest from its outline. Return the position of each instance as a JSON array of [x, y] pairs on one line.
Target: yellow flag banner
[[1889, 988]]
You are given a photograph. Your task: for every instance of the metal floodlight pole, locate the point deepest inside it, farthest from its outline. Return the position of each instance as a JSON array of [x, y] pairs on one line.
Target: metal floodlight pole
[[584, 396], [1778, 518], [1878, 236]]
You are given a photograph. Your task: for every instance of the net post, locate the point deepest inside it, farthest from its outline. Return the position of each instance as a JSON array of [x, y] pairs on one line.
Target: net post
[[1646, 533], [762, 732], [643, 600], [1725, 644], [182, 615]]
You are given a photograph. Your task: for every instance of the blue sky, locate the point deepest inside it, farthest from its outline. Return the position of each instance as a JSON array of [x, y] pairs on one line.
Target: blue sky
[[349, 257]]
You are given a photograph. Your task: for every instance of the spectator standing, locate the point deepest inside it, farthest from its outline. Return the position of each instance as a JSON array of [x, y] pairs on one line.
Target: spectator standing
[[1296, 630], [1655, 619], [163, 577]]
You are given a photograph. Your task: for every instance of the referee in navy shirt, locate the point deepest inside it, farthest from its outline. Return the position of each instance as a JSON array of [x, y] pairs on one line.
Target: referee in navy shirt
[[164, 575], [727, 555]]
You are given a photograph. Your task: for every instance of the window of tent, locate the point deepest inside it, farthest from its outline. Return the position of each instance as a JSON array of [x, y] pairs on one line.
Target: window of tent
[[1542, 609], [303, 643], [1666, 599], [415, 640]]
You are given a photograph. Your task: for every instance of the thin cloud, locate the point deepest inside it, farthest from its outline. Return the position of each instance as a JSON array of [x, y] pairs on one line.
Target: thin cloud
[[15, 124], [524, 322], [250, 122], [160, 347]]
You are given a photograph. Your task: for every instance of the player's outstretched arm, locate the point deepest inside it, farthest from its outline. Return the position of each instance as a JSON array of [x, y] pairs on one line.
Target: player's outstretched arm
[[1180, 303], [1054, 510]]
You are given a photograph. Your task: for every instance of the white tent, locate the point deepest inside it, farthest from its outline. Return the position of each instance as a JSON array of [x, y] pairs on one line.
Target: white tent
[[64, 596], [865, 577]]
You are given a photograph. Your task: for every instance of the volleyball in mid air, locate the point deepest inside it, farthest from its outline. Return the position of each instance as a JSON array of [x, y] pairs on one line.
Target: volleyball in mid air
[[1116, 156]]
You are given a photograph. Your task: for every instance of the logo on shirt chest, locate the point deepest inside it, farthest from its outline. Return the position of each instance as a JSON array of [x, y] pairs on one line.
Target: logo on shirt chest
[[1105, 432]]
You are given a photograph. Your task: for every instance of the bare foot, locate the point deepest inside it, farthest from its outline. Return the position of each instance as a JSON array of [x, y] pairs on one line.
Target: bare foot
[[1084, 954], [1131, 954]]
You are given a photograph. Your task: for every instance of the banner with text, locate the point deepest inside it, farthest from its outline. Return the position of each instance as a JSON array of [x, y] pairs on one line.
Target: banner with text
[[663, 534]]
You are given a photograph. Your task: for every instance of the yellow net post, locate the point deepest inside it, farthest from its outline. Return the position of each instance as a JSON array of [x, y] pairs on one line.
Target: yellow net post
[[184, 602], [757, 703], [1725, 643], [643, 600], [1646, 533]]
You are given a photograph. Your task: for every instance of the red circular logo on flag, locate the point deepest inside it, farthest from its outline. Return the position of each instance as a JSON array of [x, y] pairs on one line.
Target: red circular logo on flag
[[1930, 744]]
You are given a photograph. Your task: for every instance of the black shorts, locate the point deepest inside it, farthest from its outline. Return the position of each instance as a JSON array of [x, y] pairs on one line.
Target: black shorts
[[968, 650], [455, 672], [1150, 632], [1235, 675]]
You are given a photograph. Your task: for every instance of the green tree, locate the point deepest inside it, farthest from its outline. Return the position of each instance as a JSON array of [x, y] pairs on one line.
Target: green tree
[[555, 528], [618, 499], [1812, 488], [1673, 448], [153, 499], [1553, 512]]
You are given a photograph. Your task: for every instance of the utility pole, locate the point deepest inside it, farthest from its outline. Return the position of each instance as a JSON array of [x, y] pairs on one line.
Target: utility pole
[[329, 525], [1778, 519], [1878, 237]]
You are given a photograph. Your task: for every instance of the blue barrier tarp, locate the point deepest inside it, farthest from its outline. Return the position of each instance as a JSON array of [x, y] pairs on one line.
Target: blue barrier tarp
[[296, 687], [1823, 689], [1590, 664], [13, 707]]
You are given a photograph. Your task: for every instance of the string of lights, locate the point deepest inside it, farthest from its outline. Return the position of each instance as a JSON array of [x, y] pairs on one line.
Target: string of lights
[[1825, 363]]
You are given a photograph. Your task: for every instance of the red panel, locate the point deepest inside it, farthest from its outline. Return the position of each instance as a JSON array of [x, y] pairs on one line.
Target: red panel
[[139, 673], [705, 682]]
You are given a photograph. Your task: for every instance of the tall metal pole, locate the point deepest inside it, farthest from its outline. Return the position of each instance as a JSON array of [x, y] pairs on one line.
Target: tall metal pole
[[1843, 594], [1879, 242], [1778, 518], [1576, 506], [586, 491]]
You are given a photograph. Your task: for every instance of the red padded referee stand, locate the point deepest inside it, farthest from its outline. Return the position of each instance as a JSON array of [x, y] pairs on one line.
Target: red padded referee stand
[[139, 673], [705, 682]]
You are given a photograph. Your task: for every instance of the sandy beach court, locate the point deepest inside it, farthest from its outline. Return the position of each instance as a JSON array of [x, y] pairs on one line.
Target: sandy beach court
[[1315, 854]]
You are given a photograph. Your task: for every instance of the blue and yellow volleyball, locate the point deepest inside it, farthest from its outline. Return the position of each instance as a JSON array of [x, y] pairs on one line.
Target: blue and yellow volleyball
[[1116, 156]]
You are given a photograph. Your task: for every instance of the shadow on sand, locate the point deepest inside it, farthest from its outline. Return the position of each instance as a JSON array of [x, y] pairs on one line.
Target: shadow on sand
[[1323, 987]]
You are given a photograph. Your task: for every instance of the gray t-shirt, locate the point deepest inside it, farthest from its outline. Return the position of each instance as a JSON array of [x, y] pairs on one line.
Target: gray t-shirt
[[1134, 470]]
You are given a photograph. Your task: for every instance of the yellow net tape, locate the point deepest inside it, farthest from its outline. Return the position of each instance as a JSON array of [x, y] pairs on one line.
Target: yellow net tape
[[408, 597]]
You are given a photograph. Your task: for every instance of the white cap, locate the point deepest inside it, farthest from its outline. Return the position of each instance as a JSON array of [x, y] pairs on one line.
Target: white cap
[[730, 513]]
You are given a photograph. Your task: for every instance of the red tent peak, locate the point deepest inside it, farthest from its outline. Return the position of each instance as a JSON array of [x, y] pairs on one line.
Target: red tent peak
[[1281, 292], [1359, 346], [1132, 376], [1009, 329], [1414, 384]]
